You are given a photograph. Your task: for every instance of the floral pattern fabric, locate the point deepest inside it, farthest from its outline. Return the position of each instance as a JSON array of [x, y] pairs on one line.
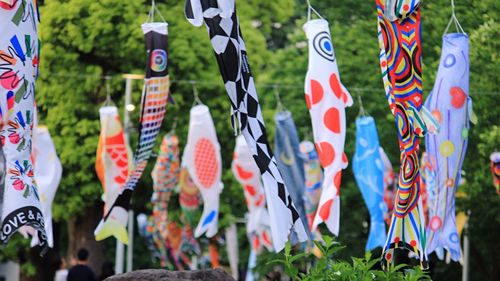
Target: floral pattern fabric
[[19, 57]]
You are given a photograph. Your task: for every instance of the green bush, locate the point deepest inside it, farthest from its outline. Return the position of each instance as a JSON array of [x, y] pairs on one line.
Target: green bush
[[305, 266]]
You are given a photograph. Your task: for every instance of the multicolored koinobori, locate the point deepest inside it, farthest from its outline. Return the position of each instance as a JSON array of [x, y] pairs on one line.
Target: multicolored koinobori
[[450, 104], [326, 99], [313, 177], [165, 176], [153, 108], [368, 170], [401, 64], [19, 56], [227, 41]]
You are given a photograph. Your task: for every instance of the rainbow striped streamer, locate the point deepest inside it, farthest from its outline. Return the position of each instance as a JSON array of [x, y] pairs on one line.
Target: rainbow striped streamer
[[401, 64]]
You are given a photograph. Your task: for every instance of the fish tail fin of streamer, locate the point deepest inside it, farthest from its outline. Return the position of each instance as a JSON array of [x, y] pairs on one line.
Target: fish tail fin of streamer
[[450, 238], [282, 225], [328, 213], [208, 223], [377, 235], [430, 121], [421, 121], [111, 227], [114, 223], [349, 101], [408, 232]]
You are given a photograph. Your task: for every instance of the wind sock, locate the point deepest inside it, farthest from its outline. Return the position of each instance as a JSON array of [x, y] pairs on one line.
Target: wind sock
[[112, 157], [145, 228], [326, 100], [165, 176], [203, 161], [229, 47], [290, 164], [450, 104], [495, 170], [153, 108], [388, 185], [247, 174], [189, 200], [48, 173], [313, 177], [19, 58], [368, 170], [401, 64]]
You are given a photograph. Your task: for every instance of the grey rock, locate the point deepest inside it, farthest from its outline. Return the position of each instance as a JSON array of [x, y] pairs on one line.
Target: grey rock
[[165, 275]]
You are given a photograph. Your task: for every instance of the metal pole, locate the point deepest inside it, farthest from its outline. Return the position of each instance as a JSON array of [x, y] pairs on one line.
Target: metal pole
[[119, 257], [130, 248], [120, 248], [126, 125], [465, 268]]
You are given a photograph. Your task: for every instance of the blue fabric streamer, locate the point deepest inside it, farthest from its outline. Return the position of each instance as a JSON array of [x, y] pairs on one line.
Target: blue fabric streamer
[[369, 173]]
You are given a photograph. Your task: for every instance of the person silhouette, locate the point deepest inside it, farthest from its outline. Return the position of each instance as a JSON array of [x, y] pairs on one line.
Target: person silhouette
[[81, 271]]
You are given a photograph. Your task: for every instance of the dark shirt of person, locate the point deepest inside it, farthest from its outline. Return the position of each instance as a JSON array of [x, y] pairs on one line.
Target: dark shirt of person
[[81, 272]]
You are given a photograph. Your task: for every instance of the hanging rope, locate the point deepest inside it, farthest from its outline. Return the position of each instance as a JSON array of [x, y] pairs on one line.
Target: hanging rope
[[151, 14], [362, 111], [453, 19], [279, 104], [311, 9], [108, 101], [297, 86], [197, 100]]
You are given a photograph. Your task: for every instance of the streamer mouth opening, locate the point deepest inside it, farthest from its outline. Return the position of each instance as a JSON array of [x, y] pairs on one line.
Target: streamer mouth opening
[[199, 110], [159, 27], [364, 120], [455, 35], [314, 22], [283, 115]]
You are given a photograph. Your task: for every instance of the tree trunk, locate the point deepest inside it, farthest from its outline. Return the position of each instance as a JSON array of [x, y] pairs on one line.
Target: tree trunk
[[81, 234]]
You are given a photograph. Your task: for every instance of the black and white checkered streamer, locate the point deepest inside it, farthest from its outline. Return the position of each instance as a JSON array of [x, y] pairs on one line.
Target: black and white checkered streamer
[[225, 34]]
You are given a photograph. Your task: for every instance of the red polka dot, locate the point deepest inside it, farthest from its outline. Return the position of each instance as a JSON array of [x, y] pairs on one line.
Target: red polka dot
[[245, 175], [332, 120], [384, 64], [326, 153], [337, 180], [388, 256], [260, 200], [256, 243], [344, 158], [406, 7], [266, 239], [250, 189], [413, 243], [308, 101], [397, 239], [335, 85], [344, 97], [324, 212], [316, 91], [458, 97]]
